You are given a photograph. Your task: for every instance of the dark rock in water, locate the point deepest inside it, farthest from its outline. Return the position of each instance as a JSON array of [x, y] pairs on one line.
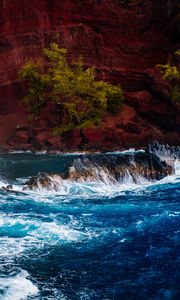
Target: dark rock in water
[[44, 180], [9, 189], [107, 168], [164, 152], [119, 167]]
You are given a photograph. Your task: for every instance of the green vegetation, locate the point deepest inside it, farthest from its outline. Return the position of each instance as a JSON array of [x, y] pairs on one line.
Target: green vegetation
[[169, 72], [172, 74], [81, 98], [38, 84]]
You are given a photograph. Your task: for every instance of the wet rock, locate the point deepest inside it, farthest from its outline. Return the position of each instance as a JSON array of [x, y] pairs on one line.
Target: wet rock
[[110, 169], [164, 152], [118, 167], [50, 182], [85, 169], [8, 188]]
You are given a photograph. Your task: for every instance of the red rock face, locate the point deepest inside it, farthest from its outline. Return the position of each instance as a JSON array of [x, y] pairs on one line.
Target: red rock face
[[124, 41]]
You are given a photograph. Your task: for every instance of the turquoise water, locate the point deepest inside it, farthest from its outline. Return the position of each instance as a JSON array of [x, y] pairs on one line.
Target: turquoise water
[[89, 240]]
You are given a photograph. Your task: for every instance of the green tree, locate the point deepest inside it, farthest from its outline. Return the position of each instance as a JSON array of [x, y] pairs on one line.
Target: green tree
[[37, 86], [83, 99], [172, 74]]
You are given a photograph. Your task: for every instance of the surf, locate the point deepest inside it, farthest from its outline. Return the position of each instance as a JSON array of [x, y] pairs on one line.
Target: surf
[[94, 233]]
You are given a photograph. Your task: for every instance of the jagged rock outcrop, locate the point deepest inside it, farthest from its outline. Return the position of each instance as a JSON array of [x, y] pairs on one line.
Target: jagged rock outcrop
[[50, 182], [119, 167], [165, 152], [110, 169], [124, 40]]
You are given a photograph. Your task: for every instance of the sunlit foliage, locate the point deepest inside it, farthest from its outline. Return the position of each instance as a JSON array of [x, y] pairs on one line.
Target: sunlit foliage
[[172, 73], [83, 99]]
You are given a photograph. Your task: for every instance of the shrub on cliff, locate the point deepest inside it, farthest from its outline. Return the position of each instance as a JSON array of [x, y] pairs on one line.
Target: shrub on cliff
[[81, 98], [37, 86], [172, 74]]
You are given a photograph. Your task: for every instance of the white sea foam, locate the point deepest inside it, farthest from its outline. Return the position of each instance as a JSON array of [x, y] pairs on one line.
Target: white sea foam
[[84, 189], [38, 232], [17, 287], [174, 177], [177, 167], [3, 182], [20, 234], [10, 247], [104, 183], [128, 151], [75, 153], [52, 231], [19, 151]]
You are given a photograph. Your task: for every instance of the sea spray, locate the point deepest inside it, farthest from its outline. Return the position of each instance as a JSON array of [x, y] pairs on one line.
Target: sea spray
[[17, 287], [90, 239]]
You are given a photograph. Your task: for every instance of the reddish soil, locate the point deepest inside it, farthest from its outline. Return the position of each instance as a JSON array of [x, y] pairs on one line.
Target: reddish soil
[[123, 41]]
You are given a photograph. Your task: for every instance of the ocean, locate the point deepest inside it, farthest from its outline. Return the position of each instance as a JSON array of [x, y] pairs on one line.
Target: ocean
[[88, 240]]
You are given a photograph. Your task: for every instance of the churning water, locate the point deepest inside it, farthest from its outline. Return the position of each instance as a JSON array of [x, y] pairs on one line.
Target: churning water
[[88, 240]]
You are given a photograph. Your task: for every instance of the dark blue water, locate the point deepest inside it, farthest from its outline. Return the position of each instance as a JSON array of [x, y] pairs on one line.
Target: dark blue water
[[90, 240]]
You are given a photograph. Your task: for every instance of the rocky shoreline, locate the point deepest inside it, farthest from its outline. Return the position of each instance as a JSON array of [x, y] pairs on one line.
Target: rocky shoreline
[[109, 168], [118, 132]]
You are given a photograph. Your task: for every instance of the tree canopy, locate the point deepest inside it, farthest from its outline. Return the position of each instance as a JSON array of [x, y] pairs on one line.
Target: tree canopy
[[172, 73], [83, 99]]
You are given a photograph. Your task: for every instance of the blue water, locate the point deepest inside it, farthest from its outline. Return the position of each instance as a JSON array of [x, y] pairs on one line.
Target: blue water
[[89, 240]]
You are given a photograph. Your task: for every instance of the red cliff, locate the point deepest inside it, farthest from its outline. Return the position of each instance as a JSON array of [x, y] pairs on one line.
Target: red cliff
[[124, 40]]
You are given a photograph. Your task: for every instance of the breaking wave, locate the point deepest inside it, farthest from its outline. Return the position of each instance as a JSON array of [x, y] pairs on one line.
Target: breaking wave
[[17, 287], [91, 234]]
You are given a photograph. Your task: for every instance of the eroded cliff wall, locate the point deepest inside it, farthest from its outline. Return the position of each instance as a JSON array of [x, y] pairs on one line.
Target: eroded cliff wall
[[124, 40]]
